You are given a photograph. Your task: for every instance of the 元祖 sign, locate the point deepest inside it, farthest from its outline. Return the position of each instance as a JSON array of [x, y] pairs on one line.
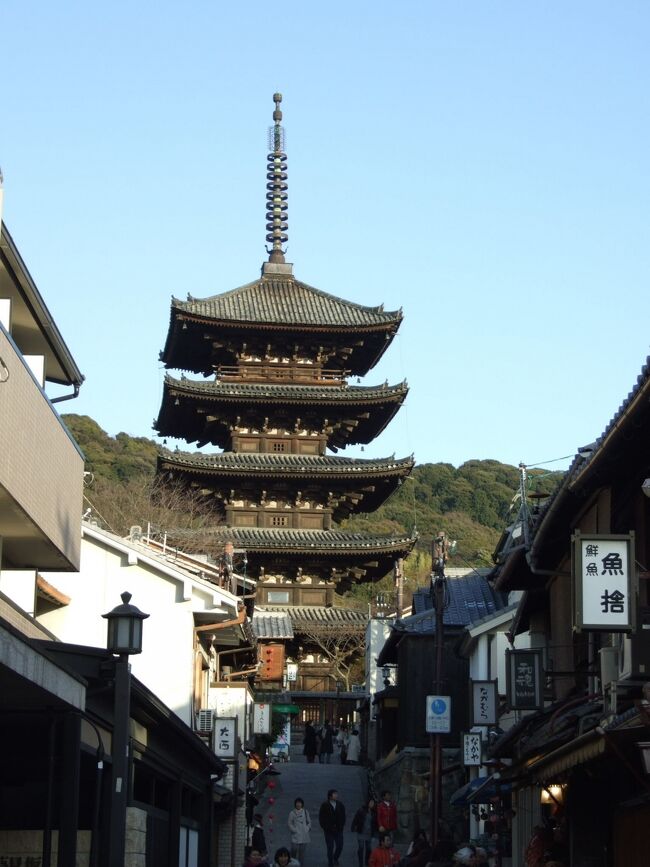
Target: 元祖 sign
[[261, 718], [604, 582], [472, 749], [483, 702], [524, 676]]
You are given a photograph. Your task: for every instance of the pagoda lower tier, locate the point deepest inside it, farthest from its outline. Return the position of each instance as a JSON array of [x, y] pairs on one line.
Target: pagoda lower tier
[[287, 490], [319, 558], [246, 416]]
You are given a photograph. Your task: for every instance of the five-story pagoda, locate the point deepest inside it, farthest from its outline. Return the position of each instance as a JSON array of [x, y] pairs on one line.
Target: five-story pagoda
[[276, 355]]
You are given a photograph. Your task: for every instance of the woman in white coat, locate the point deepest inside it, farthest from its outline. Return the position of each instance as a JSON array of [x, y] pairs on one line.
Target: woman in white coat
[[299, 823], [354, 748]]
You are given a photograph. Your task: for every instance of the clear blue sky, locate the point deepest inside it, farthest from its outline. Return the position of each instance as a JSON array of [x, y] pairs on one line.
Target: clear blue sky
[[482, 165]]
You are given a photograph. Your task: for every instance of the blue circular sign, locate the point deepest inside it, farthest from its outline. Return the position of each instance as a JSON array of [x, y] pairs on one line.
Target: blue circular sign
[[438, 706]]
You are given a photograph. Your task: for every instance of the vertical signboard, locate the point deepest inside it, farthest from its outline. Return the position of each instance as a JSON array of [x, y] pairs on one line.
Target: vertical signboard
[[483, 702], [604, 582], [524, 676], [472, 749], [438, 719], [261, 718], [225, 737]]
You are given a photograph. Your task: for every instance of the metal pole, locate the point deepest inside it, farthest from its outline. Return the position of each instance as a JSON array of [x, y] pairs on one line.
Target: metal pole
[[436, 758], [120, 761]]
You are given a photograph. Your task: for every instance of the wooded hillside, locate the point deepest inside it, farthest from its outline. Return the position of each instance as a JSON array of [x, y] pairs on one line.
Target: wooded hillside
[[472, 503]]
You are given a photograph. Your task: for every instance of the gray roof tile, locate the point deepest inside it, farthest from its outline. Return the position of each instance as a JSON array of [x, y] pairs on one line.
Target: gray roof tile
[[288, 393], [286, 301], [302, 465], [272, 624]]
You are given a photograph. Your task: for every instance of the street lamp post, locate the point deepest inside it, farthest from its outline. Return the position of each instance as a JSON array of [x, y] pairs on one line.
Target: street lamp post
[[124, 638], [440, 549]]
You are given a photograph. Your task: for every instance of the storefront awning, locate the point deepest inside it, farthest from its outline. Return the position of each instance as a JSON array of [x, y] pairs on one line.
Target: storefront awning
[[286, 708], [480, 790], [576, 752]]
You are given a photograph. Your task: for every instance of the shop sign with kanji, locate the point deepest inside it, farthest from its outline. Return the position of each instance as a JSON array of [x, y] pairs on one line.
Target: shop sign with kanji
[[261, 718], [483, 702], [524, 675], [604, 582], [472, 749], [225, 737]]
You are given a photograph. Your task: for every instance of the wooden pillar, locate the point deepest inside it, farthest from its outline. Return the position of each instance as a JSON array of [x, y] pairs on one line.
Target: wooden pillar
[[69, 789]]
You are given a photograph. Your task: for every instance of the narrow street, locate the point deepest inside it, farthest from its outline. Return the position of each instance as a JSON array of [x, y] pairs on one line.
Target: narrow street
[[298, 779]]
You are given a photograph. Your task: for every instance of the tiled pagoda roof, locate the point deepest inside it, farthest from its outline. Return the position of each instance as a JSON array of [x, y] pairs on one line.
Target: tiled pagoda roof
[[282, 300], [287, 393], [267, 464], [332, 543]]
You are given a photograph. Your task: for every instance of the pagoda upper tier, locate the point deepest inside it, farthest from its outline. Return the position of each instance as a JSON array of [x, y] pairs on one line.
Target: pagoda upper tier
[[287, 490], [228, 410], [281, 322]]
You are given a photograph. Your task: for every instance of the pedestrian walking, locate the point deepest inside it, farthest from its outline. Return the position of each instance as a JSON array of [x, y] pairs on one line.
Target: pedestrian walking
[[331, 818], [284, 859], [386, 813], [419, 852], [365, 825], [326, 743], [354, 748], [299, 823], [258, 840], [309, 747], [385, 854], [343, 739]]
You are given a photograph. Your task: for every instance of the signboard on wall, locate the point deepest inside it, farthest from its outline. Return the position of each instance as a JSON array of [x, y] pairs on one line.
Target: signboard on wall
[[524, 679], [604, 582], [483, 703], [438, 710], [225, 737], [472, 749], [261, 718]]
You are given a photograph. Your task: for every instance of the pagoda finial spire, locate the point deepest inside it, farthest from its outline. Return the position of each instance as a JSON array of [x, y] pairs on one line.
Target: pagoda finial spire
[[276, 188]]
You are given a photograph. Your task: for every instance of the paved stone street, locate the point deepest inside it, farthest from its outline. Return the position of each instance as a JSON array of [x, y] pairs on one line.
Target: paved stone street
[[298, 779]]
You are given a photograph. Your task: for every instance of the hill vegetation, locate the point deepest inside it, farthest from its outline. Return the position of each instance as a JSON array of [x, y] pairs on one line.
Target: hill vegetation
[[472, 503]]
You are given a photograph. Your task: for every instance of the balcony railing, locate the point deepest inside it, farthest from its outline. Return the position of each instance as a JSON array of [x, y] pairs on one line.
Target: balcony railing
[[41, 473]]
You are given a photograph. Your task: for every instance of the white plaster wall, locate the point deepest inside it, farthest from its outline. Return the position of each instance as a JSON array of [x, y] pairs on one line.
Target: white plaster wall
[[377, 632], [166, 663], [20, 587]]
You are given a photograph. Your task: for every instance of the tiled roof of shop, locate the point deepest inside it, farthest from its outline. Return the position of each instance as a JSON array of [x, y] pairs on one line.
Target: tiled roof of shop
[[272, 624], [283, 300], [322, 615], [287, 393], [470, 599], [302, 465]]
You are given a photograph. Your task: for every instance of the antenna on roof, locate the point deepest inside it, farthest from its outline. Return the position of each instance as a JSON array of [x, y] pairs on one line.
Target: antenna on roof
[[276, 188]]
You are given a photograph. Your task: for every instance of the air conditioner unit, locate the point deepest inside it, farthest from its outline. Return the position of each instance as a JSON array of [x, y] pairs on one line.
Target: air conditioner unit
[[205, 721], [634, 650]]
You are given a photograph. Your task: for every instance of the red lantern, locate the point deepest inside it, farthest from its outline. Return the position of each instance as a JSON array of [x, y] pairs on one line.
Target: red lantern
[[270, 818], [271, 800], [271, 784]]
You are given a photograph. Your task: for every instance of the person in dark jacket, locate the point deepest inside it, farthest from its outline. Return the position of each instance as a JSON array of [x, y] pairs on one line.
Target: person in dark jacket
[[309, 748], [326, 743], [331, 818], [365, 825], [258, 840]]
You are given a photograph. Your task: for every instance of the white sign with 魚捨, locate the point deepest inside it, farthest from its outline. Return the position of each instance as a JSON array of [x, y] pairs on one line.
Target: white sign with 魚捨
[[605, 582]]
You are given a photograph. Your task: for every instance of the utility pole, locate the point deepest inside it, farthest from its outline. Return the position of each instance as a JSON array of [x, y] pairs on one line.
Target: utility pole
[[398, 572], [439, 556]]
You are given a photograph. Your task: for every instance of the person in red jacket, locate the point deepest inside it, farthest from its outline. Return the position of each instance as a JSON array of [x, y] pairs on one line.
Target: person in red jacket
[[386, 813], [384, 855]]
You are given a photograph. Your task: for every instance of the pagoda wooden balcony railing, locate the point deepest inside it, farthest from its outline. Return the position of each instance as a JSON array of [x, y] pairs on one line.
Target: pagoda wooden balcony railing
[[268, 372]]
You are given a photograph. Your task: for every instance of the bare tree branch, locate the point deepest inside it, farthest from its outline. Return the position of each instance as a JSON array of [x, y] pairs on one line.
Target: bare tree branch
[[343, 645]]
